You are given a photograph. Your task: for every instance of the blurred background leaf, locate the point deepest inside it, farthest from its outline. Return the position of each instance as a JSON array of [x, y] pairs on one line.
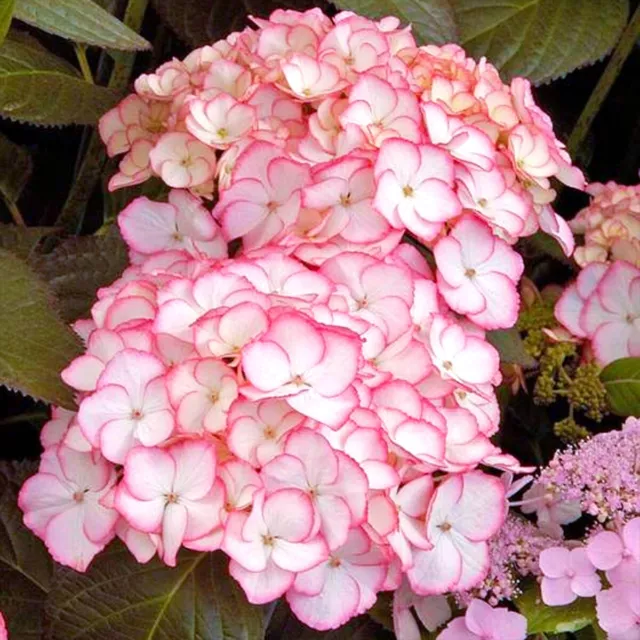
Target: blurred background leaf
[[40, 88], [540, 39], [432, 21], [25, 565], [6, 12], [81, 21], [78, 267], [35, 345], [621, 379], [120, 599]]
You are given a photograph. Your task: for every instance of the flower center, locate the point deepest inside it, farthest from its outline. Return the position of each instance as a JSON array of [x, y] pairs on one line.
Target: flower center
[[482, 202], [345, 199], [78, 496], [269, 433], [268, 540], [222, 133], [444, 527], [136, 414], [334, 562], [470, 273], [407, 190], [447, 364], [171, 498]]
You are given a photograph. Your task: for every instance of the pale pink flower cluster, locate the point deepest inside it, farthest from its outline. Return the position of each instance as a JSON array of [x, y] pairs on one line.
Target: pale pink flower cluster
[[323, 427], [330, 135], [599, 477], [483, 622], [610, 225], [514, 552], [574, 573], [602, 307]]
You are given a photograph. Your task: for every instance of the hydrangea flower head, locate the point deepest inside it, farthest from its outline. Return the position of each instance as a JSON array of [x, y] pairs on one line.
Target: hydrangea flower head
[[320, 405]]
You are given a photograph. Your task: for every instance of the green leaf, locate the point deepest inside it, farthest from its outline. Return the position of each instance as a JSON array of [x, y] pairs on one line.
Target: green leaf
[[540, 39], [22, 241], [594, 632], [541, 243], [510, 346], [432, 21], [38, 87], [35, 345], [78, 267], [120, 599], [80, 21], [544, 619], [25, 565], [15, 169], [621, 379], [6, 12]]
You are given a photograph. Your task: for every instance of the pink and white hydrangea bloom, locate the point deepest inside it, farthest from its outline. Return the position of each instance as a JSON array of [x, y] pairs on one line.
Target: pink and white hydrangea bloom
[[130, 406], [181, 224], [62, 505], [259, 205], [182, 161], [414, 187], [201, 392], [335, 483], [170, 492], [466, 510], [310, 365], [603, 306], [270, 545], [343, 586], [478, 273]]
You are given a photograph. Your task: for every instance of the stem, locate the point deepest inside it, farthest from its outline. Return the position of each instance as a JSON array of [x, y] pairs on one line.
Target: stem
[[608, 77], [133, 16], [94, 158], [24, 417], [81, 54], [15, 212]]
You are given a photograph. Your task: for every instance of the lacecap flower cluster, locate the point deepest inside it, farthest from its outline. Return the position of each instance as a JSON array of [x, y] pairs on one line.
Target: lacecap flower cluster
[[320, 405]]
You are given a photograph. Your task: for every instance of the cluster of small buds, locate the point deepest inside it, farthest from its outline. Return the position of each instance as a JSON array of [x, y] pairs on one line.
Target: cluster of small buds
[[569, 574], [587, 392], [376, 136], [323, 427], [569, 431], [602, 307], [534, 318], [601, 474], [553, 377], [610, 225]]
